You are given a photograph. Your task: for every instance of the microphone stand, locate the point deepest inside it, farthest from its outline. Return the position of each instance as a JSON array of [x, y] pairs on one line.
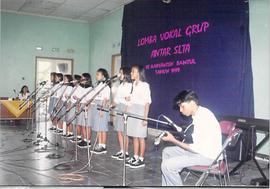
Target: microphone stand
[[77, 112], [125, 116], [30, 105], [30, 96], [56, 155], [84, 108], [45, 148], [65, 102]]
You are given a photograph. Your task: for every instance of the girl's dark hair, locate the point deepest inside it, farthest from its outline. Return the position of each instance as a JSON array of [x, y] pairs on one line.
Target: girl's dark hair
[[126, 73], [141, 72], [60, 76], [88, 82], [104, 73], [21, 91], [53, 75], [69, 78], [77, 77], [185, 96]]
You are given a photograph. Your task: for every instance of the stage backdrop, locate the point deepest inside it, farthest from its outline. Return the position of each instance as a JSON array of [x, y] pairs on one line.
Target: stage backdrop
[[202, 45]]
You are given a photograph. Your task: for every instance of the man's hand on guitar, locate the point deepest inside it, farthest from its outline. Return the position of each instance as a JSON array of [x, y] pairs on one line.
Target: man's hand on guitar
[[169, 137]]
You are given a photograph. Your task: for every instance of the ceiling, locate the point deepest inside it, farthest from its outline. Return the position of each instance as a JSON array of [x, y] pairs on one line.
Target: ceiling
[[77, 10]]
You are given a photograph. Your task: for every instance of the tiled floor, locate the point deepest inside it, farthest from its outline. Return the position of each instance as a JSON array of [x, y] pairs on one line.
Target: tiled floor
[[22, 164]]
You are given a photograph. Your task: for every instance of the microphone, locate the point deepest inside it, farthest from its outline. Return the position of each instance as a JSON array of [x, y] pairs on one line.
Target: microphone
[[179, 129], [43, 83], [15, 92], [159, 137], [112, 78], [73, 81]]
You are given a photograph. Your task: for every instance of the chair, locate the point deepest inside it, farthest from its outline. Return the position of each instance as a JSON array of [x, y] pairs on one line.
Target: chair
[[219, 166]]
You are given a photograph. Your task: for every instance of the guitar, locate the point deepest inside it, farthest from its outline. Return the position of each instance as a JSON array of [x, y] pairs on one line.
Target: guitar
[[185, 135]]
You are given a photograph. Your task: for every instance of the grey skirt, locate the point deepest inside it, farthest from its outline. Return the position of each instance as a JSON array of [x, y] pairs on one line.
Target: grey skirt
[[51, 104], [70, 114], [80, 119], [99, 123], [118, 121], [135, 127], [62, 111]]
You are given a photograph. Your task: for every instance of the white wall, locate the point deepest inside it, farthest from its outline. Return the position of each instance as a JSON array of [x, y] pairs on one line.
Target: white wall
[[260, 49], [259, 14]]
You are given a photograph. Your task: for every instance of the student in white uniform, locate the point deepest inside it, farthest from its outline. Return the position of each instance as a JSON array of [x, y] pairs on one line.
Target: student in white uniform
[[207, 140], [100, 118], [72, 101], [59, 94], [24, 93], [120, 103], [86, 84], [69, 86], [56, 96], [140, 101], [52, 98]]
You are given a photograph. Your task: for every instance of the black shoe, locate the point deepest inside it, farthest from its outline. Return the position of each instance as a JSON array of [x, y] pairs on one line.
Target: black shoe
[[52, 128], [99, 150], [59, 132], [130, 161], [74, 140], [137, 164], [70, 136], [121, 157], [118, 154], [82, 144]]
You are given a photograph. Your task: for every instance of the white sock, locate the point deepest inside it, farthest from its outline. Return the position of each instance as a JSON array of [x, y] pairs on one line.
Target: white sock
[[141, 158], [136, 157], [103, 145]]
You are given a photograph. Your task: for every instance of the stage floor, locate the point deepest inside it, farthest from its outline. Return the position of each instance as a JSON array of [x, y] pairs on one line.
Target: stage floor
[[21, 164]]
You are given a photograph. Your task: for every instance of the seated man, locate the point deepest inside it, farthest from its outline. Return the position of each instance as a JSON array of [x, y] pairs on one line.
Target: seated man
[[207, 141]]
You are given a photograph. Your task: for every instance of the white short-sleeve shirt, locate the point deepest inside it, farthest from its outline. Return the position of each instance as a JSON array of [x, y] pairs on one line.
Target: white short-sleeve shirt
[[53, 89], [67, 93], [104, 94], [123, 91], [141, 93], [79, 93], [207, 139]]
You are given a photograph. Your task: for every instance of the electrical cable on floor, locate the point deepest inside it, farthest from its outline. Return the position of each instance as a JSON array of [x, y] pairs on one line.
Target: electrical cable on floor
[[32, 169], [15, 150], [75, 175], [20, 177]]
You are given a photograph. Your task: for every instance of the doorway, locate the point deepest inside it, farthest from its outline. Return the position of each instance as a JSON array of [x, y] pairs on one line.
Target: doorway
[[46, 65]]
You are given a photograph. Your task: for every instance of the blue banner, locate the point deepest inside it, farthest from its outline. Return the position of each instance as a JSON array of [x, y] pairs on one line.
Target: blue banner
[[190, 44]]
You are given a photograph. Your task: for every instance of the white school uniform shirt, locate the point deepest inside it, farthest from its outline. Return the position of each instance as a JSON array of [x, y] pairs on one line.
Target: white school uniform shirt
[[67, 93], [78, 93], [60, 90], [123, 91], [141, 93], [104, 94], [53, 89], [207, 138], [90, 96]]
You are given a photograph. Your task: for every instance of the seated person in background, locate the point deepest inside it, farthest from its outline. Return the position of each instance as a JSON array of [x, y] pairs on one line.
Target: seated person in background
[[24, 93], [207, 141]]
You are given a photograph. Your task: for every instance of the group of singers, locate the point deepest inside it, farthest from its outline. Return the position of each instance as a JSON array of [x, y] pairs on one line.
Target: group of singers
[[133, 95]]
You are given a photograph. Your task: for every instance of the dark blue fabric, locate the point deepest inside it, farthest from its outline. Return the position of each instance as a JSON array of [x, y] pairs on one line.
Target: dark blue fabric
[[222, 75]]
